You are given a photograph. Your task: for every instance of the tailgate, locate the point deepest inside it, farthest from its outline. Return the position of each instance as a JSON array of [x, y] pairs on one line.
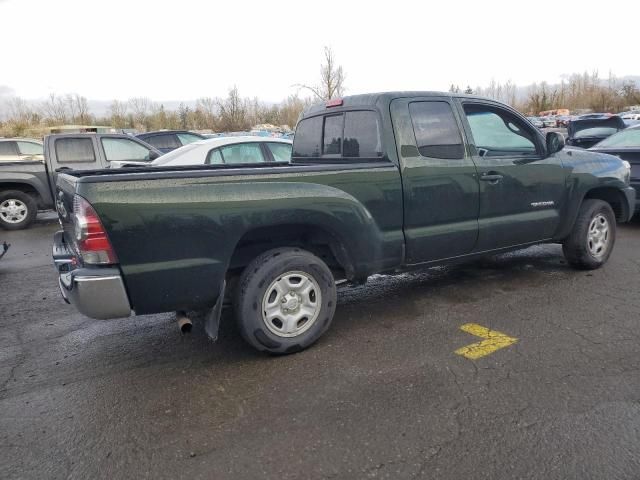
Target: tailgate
[[65, 191]]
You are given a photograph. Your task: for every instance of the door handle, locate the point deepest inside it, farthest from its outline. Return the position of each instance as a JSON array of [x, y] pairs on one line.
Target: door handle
[[491, 177]]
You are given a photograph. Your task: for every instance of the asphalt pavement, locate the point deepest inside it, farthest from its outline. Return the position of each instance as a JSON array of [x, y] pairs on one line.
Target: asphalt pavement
[[382, 395]]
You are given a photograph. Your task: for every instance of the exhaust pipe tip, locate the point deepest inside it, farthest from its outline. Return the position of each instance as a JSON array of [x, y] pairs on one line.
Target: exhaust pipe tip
[[184, 323]]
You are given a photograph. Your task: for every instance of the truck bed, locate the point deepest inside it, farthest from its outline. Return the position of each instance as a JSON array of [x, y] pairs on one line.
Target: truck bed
[[175, 229], [133, 173]]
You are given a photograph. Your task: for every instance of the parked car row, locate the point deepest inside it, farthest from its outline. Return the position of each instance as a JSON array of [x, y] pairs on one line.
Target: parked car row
[[629, 118], [168, 140], [25, 181], [625, 145], [551, 121], [586, 132]]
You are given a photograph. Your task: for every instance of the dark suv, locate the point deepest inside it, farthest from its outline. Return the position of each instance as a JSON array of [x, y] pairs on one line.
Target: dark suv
[[167, 140]]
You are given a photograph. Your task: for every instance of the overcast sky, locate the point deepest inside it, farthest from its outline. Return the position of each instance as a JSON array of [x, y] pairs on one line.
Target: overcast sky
[[183, 50]]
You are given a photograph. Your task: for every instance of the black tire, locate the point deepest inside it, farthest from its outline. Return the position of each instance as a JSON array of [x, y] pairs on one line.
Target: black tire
[[259, 276], [576, 246], [27, 200]]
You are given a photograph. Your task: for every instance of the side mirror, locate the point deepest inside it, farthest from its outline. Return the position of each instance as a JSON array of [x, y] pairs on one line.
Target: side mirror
[[555, 142], [153, 155]]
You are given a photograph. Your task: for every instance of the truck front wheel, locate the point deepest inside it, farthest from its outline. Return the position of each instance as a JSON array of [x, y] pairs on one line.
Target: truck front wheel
[[285, 300], [18, 209], [591, 241]]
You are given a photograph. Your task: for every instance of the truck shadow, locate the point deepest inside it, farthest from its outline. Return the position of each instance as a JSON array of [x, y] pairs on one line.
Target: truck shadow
[[388, 299], [151, 349]]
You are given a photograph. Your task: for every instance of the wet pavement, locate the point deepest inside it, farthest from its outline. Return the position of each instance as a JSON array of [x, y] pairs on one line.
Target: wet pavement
[[381, 395]]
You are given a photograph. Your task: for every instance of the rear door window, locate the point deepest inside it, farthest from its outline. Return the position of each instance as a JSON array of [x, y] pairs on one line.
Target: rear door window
[[8, 148], [242, 153], [281, 151], [30, 148], [167, 141], [436, 130], [187, 138], [214, 157], [72, 150], [124, 149]]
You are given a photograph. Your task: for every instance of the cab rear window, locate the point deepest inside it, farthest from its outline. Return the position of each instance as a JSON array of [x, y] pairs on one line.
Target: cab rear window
[[353, 134]]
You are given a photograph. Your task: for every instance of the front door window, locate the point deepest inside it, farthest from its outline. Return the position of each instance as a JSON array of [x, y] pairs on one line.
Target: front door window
[[498, 133]]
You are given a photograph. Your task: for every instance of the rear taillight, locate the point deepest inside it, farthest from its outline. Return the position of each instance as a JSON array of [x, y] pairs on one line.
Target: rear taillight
[[90, 236]]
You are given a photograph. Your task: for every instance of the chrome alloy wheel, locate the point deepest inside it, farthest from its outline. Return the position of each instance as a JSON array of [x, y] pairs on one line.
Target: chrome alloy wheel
[[598, 236], [291, 304], [13, 210]]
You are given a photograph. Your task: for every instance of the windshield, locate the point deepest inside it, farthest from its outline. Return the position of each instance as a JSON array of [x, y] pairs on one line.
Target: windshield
[[595, 132], [167, 157], [626, 138]]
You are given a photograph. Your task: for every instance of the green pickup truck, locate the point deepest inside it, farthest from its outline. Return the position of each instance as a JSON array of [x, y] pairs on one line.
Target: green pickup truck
[[378, 183]]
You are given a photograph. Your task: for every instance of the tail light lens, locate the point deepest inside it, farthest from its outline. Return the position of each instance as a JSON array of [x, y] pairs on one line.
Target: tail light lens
[[91, 238]]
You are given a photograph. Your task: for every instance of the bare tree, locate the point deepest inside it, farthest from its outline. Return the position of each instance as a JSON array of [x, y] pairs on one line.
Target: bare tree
[[118, 114], [19, 110], [184, 114], [291, 109], [233, 112], [331, 79], [509, 93], [83, 116], [207, 108], [140, 108], [19, 116], [55, 109]]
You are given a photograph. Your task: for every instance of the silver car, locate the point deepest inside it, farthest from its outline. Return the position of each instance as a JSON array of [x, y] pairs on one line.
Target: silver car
[[20, 149]]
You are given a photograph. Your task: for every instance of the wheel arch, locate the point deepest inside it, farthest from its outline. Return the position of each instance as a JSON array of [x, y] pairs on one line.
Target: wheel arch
[[613, 196], [26, 187], [322, 241], [607, 193]]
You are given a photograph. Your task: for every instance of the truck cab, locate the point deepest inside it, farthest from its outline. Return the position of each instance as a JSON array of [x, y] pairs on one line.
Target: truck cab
[[28, 177], [83, 151]]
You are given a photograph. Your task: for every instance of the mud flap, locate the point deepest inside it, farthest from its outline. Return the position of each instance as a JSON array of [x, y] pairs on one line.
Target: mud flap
[[212, 320], [3, 248]]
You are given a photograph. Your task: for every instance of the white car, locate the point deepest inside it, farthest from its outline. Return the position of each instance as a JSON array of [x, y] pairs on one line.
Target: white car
[[229, 150], [630, 115]]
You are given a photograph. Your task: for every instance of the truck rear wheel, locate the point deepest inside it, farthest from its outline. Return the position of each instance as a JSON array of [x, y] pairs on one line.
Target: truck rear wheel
[[18, 209], [591, 241], [285, 300]]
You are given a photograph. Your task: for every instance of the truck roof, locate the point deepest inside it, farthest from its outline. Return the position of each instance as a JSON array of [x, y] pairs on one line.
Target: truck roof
[[372, 99]]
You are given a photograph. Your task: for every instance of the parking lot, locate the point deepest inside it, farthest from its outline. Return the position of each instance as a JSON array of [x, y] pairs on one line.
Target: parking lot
[[382, 395]]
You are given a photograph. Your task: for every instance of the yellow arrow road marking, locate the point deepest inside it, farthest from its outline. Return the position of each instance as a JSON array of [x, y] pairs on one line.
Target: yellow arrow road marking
[[494, 341]]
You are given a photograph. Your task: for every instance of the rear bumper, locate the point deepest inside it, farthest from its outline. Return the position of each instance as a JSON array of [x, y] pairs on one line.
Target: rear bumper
[[95, 292]]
